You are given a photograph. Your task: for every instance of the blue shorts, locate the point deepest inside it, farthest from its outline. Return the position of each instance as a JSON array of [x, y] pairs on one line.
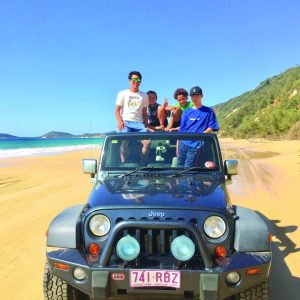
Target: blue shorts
[[133, 127], [187, 155]]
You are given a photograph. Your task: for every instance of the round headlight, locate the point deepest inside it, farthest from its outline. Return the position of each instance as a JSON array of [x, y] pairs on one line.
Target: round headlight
[[99, 225], [214, 227]]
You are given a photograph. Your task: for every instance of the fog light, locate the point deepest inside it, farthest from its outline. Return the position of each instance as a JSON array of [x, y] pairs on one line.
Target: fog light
[[233, 278], [128, 248], [183, 248], [79, 273]]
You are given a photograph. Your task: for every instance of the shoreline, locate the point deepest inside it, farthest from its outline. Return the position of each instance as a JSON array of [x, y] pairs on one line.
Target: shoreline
[[44, 152], [56, 150]]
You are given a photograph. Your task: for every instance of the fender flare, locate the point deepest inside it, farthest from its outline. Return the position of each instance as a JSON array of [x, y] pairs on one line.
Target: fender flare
[[251, 231], [64, 230]]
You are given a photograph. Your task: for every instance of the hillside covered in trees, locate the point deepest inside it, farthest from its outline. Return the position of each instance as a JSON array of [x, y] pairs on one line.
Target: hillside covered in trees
[[272, 110]]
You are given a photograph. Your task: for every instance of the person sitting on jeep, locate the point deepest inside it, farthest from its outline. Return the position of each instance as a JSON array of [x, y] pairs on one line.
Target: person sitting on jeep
[[157, 116], [201, 119], [181, 95]]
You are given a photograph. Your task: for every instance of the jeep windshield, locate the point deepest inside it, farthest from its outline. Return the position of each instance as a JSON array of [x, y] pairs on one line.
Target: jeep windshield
[[160, 152]]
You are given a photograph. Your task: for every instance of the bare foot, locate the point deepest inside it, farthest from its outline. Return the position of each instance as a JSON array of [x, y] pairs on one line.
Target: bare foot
[[159, 128]]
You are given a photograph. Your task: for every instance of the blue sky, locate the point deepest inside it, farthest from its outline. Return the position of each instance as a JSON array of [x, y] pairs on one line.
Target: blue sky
[[63, 62]]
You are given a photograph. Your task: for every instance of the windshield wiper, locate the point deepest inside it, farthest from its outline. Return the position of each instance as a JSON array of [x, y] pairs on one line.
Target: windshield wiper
[[190, 169], [145, 168]]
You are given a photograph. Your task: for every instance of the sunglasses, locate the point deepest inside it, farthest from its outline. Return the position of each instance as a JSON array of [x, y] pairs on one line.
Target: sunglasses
[[136, 79]]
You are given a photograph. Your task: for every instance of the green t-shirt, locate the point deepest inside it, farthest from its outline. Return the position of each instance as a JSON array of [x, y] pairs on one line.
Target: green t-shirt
[[188, 105]]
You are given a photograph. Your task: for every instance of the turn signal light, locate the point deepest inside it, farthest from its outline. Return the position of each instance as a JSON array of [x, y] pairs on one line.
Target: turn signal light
[[270, 237], [61, 266], [220, 251], [253, 271], [94, 249]]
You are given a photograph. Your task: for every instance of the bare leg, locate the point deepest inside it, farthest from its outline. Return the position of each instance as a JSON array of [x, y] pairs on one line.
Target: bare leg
[[170, 125], [176, 116], [174, 119], [123, 151], [145, 151], [162, 116]]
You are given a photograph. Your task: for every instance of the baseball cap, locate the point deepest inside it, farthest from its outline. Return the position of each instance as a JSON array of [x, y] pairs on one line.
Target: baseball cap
[[196, 90]]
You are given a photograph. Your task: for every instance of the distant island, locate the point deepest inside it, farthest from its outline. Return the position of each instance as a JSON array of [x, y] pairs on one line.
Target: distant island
[[7, 136], [65, 135], [56, 135]]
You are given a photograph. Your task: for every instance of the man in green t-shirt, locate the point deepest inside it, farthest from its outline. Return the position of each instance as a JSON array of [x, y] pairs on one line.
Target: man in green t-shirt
[[181, 95]]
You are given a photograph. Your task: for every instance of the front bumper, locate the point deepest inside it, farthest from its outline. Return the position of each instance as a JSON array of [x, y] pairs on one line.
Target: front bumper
[[195, 284]]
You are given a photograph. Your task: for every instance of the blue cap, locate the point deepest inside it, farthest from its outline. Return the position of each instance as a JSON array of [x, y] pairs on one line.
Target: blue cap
[[196, 90]]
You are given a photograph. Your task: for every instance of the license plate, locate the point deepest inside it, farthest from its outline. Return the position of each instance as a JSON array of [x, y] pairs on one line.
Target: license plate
[[153, 278]]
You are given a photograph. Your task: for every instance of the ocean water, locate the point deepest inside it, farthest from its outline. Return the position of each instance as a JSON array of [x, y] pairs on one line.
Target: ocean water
[[21, 147]]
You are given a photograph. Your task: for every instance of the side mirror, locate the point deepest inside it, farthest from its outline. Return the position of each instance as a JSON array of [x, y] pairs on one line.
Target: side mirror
[[89, 166], [230, 167]]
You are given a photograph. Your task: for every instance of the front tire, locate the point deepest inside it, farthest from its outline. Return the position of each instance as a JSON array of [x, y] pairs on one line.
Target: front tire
[[259, 292], [58, 289]]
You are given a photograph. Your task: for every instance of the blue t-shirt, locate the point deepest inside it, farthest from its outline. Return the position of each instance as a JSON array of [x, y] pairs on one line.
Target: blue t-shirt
[[196, 121]]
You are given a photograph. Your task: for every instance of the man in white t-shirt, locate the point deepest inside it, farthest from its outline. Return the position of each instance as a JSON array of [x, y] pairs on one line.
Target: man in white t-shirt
[[131, 113], [131, 106]]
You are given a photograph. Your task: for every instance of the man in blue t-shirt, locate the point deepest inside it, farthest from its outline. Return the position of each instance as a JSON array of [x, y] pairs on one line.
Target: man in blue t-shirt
[[200, 119]]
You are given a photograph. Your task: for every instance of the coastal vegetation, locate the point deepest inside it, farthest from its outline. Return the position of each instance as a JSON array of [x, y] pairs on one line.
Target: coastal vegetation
[[272, 110]]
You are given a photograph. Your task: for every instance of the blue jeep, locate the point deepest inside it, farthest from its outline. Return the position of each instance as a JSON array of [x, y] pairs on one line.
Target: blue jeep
[[155, 228]]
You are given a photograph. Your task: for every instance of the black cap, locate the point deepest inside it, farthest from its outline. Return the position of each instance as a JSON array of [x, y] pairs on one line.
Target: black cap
[[196, 90]]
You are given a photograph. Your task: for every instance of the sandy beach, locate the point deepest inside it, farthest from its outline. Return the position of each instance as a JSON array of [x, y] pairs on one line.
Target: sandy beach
[[33, 190]]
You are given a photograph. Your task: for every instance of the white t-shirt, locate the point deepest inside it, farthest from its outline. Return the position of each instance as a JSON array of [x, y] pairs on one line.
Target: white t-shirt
[[132, 105]]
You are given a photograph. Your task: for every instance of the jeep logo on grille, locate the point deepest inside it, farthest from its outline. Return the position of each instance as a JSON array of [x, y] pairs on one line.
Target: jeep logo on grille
[[159, 214]]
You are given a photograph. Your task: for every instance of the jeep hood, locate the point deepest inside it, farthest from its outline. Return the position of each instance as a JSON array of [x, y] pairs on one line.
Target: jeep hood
[[161, 192]]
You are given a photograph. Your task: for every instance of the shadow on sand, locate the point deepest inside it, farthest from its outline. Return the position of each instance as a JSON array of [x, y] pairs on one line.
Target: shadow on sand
[[283, 285]]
